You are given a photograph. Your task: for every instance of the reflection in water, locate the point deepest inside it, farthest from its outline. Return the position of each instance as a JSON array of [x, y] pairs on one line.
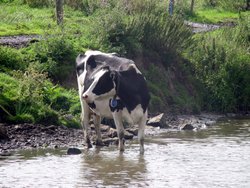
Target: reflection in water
[[112, 168], [213, 157]]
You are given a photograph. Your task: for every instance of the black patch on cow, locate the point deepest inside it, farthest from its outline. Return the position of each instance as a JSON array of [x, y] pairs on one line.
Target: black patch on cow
[[92, 105], [118, 107], [91, 62], [80, 69], [114, 62], [104, 84], [80, 64], [132, 89]]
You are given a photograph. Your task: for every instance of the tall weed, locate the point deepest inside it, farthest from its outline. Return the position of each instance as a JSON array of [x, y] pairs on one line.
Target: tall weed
[[129, 30]]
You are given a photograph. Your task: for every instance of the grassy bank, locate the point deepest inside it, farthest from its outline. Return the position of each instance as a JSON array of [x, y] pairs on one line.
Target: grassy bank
[[186, 73], [221, 61]]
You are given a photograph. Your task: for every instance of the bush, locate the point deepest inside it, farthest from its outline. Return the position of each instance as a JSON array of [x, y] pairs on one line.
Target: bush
[[222, 63], [11, 59], [21, 118], [129, 30], [59, 98], [25, 98], [8, 97], [54, 55], [232, 4], [156, 104]]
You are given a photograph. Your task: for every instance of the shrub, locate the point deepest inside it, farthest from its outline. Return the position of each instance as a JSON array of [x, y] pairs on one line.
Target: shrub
[[11, 59], [21, 118], [156, 104], [46, 115], [144, 27], [54, 55], [232, 5], [8, 90], [25, 98], [221, 61]]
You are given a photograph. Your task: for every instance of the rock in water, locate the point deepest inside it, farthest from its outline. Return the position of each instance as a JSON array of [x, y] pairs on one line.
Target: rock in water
[[187, 127], [157, 121], [128, 135], [74, 151]]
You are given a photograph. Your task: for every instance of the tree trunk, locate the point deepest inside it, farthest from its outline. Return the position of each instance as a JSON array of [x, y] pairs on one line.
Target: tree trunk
[[192, 6], [59, 12]]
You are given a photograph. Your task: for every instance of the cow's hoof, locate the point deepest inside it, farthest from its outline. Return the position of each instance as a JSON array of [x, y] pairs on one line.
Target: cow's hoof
[[100, 143], [142, 151], [89, 145], [121, 150]]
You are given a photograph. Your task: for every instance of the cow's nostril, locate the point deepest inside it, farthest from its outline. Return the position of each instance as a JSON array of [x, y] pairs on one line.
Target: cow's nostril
[[85, 96]]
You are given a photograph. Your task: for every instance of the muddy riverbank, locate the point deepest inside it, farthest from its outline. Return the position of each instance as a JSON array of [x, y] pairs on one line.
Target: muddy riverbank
[[26, 136]]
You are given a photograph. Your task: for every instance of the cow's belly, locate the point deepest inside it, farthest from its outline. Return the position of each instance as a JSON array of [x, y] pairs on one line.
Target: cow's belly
[[103, 109]]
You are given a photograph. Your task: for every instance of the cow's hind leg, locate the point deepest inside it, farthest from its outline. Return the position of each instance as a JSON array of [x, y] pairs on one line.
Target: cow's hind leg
[[120, 129], [97, 122], [142, 124]]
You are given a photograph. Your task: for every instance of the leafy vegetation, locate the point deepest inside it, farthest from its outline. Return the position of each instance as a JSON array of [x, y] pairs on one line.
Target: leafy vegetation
[[194, 72], [210, 11], [222, 63]]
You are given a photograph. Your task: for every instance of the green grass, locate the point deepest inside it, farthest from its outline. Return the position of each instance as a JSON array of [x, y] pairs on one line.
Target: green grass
[[19, 19], [213, 16]]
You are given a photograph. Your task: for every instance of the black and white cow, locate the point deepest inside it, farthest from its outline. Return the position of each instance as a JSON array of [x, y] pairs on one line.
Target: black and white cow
[[111, 87]]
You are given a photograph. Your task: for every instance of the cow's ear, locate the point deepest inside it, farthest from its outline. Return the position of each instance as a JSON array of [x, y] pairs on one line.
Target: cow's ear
[[80, 58], [91, 62], [115, 54]]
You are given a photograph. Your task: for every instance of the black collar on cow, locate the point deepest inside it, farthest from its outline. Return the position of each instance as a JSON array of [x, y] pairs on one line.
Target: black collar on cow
[[114, 75]]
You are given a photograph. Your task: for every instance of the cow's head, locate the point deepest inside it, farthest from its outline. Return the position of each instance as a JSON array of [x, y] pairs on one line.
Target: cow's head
[[94, 76]]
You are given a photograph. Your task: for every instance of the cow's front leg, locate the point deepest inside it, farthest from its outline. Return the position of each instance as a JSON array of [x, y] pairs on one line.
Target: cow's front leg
[[120, 129], [85, 116], [97, 122], [142, 124]]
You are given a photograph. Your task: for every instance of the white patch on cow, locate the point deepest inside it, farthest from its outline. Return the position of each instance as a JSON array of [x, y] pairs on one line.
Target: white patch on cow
[[133, 66], [99, 74], [135, 116], [91, 96], [102, 107], [95, 52]]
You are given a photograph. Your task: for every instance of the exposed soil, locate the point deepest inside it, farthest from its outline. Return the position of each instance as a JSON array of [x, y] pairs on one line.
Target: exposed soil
[[200, 27], [26, 136], [19, 41]]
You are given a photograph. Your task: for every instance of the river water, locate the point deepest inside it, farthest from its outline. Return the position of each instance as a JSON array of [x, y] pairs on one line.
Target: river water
[[218, 156]]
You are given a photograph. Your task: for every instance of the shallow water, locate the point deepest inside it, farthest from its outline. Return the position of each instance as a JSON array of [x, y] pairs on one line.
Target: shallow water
[[214, 157]]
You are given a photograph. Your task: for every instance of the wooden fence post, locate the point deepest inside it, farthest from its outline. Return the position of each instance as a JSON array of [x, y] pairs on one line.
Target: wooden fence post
[[192, 6], [171, 7], [59, 12]]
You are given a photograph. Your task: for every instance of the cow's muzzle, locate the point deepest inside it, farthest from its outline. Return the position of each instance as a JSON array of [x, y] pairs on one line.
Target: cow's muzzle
[[85, 96]]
